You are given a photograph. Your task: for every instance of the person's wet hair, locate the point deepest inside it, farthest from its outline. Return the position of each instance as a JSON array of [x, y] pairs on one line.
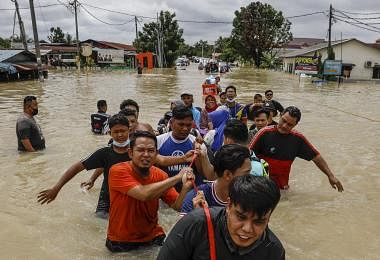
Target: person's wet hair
[[293, 112], [118, 119], [129, 102], [255, 194], [237, 131], [28, 100], [257, 96], [101, 103], [268, 91], [260, 111], [138, 134], [230, 157], [222, 93], [232, 87], [182, 112], [128, 112]]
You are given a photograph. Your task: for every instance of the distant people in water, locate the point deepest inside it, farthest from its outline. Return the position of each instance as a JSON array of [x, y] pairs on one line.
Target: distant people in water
[[274, 103], [99, 120], [28, 131]]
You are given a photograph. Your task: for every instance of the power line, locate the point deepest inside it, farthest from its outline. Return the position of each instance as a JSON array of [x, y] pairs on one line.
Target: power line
[[349, 17], [22, 8], [356, 25], [98, 19], [358, 13]]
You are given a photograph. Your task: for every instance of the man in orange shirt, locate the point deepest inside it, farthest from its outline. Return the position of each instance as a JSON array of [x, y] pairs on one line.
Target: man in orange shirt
[[135, 189]]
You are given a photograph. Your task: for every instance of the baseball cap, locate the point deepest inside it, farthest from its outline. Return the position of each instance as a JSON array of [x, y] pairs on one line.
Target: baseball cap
[[268, 106]]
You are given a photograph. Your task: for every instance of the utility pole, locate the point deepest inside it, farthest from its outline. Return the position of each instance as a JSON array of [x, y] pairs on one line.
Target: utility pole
[[329, 43], [22, 29], [76, 32], [159, 44], [36, 41], [137, 36]]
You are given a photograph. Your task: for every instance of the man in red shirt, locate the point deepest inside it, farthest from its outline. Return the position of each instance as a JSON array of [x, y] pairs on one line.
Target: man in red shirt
[[135, 189], [279, 145]]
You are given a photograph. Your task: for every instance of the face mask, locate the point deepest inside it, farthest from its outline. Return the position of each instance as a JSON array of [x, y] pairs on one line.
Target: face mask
[[35, 112], [230, 100], [121, 145]]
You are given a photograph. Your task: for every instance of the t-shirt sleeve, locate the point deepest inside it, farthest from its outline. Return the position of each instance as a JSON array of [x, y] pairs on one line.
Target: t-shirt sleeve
[[180, 243], [306, 150], [187, 205], [95, 160], [257, 142], [121, 179], [24, 129]]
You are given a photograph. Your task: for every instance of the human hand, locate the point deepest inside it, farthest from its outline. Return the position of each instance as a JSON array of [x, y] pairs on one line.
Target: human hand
[[47, 196], [87, 184], [199, 200], [188, 177], [335, 183], [188, 157]]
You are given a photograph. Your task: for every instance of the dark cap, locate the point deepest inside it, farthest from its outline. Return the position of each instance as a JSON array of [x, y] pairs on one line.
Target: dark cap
[[268, 106], [186, 94]]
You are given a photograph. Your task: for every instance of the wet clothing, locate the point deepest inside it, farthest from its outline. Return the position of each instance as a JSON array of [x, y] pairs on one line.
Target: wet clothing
[[219, 119], [132, 220], [236, 110], [275, 104], [280, 150], [168, 146], [205, 120], [104, 158], [188, 240], [116, 247], [196, 116], [99, 123], [210, 196], [27, 128]]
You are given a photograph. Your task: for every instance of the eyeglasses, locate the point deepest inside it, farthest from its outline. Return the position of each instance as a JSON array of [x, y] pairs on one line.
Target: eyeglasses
[[269, 95]]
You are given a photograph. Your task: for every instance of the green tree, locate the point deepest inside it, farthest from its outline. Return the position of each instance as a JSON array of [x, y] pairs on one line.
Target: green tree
[[5, 43], [171, 35], [69, 38], [56, 35], [185, 49], [270, 60], [207, 48], [224, 46], [258, 28]]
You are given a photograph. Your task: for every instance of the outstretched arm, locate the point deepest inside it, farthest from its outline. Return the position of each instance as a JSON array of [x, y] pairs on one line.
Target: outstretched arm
[[90, 183], [323, 166], [47, 196]]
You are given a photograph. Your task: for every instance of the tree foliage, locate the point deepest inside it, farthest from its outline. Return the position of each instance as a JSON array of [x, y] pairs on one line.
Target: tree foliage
[[5, 43], [224, 46], [258, 28], [171, 35], [207, 49], [56, 35]]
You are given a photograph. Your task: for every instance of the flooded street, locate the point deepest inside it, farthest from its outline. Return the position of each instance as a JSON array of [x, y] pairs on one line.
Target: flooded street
[[312, 220]]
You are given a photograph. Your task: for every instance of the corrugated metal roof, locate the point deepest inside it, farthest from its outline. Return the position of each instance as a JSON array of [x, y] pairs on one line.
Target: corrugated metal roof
[[6, 54], [313, 48]]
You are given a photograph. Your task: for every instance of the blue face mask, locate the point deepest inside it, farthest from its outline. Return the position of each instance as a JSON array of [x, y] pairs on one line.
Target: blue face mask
[[121, 145]]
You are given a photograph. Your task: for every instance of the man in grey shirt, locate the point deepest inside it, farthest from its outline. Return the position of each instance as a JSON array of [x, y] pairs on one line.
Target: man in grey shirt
[[29, 134]]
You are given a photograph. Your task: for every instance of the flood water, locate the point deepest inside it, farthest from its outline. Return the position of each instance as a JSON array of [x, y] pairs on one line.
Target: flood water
[[312, 220]]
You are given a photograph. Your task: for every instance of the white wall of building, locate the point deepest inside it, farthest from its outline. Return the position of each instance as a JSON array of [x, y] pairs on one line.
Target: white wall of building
[[353, 52]]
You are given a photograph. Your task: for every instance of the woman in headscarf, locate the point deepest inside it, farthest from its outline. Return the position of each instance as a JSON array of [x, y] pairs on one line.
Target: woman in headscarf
[[214, 138], [210, 106]]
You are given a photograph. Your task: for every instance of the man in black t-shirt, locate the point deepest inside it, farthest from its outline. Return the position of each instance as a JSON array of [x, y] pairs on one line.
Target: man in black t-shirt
[[102, 158], [29, 134], [279, 145], [240, 230], [99, 120]]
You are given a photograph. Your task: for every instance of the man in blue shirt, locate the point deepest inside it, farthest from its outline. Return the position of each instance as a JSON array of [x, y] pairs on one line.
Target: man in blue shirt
[[230, 161]]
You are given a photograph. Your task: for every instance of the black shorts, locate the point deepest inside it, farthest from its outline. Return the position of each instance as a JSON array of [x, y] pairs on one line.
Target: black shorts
[[115, 246]]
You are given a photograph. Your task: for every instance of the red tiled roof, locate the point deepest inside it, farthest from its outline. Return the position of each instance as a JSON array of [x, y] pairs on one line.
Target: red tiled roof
[[119, 46]]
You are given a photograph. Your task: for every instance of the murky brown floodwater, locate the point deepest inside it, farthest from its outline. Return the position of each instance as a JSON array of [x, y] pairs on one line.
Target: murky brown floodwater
[[312, 220]]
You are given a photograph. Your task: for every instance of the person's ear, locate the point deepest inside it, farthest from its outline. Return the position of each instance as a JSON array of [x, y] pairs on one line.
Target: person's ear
[[130, 152], [227, 174]]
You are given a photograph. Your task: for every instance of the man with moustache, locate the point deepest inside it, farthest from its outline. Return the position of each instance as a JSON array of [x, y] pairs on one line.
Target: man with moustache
[[29, 134]]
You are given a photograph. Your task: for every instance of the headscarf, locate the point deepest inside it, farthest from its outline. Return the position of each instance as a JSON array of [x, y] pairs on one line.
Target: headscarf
[[219, 119], [209, 110]]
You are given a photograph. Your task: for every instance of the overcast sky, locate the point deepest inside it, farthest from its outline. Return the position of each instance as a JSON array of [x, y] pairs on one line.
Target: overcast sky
[[219, 10]]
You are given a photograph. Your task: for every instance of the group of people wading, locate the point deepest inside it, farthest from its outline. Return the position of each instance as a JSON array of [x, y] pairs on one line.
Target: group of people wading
[[223, 177]]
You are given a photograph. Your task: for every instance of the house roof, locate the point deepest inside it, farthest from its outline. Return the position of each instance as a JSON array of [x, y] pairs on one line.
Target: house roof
[[7, 54], [314, 48], [299, 43], [119, 46]]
